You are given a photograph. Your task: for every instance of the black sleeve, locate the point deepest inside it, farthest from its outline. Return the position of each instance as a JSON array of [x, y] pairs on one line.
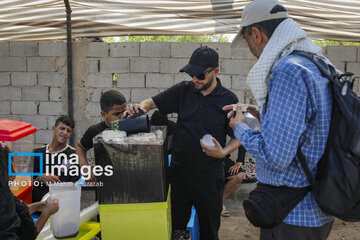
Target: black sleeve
[[9, 221], [230, 132], [168, 101], [241, 155], [87, 139]]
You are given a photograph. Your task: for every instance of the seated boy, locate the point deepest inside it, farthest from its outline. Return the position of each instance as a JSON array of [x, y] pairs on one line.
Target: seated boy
[[234, 175], [113, 106], [56, 158]]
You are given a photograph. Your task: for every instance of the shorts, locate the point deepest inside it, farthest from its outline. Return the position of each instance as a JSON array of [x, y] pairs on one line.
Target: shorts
[[228, 164]]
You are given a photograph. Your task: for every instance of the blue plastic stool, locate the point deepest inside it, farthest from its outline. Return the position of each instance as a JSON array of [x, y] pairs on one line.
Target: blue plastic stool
[[193, 224]]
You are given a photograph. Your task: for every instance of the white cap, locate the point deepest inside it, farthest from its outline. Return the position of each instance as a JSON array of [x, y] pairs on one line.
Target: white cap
[[259, 11]]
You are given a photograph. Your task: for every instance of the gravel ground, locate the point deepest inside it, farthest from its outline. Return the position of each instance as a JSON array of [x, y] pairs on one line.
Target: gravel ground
[[237, 227]]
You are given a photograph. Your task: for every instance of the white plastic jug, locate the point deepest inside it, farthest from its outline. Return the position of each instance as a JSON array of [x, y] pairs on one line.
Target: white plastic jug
[[65, 222]]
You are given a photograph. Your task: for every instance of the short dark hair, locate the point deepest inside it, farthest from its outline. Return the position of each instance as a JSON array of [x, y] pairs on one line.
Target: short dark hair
[[110, 98], [267, 27], [65, 119]]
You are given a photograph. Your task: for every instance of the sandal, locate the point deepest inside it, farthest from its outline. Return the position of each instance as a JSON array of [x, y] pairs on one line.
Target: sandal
[[225, 213]]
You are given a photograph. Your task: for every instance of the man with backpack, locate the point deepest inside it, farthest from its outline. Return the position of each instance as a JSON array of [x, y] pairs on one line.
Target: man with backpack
[[295, 102]]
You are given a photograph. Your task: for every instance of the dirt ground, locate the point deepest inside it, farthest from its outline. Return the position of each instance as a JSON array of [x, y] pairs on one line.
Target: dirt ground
[[237, 227]]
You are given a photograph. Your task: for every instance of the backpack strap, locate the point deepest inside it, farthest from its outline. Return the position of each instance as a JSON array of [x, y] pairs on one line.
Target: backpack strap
[[329, 72]]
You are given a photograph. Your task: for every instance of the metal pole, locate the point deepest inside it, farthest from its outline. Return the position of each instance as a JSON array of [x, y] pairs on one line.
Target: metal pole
[[69, 64]]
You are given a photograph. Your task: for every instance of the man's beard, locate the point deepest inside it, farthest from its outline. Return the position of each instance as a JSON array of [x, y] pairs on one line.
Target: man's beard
[[206, 85]]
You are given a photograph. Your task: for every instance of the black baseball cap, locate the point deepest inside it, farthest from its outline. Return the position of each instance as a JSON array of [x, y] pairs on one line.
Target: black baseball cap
[[201, 59]]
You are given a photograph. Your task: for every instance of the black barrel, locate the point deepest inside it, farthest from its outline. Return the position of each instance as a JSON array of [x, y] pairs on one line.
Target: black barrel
[[139, 171]]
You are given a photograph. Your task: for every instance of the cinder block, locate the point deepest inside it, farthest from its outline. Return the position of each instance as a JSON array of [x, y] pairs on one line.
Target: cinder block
[[340, 65], [223, 49], [51, 108], [357, 86], [103, 80], [225, 81], [93, 65], [126, 92], [114, 65], [181, 77], [35, 93], [139, 94], [51, 121], [40, 122], [93, 109], [183, 50], [242, 53], [97, 49], [51, 79], [13, 64], [172, 65], [341, 53], [144, 65], [239, 82], [23, 49], [41, 64], [353, 67], [158, 80], [11, 117], [55, 94], [4, 49], [23, 79], [61, 65], [52, 49], [23, 107], [231, 66], [4, 79], [128, 49], [155, 49], [43, 136], [131, 80], [5, 107], [10, 93]]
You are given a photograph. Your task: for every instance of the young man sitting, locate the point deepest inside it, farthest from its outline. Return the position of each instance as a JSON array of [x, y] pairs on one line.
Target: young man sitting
[[58, 153]]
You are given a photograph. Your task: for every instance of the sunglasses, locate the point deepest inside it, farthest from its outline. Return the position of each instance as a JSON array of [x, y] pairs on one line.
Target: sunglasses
[[201, 76]]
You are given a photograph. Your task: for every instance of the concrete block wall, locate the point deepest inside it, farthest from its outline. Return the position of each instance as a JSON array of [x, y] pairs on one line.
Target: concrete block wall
[[145, 69], [32, 84], [33, 76]]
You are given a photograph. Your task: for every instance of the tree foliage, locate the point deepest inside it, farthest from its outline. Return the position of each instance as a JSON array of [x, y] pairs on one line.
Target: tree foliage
[[202, 38], [324, 43]]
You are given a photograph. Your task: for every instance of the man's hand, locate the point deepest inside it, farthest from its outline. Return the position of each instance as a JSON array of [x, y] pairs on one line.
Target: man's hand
[[234, 169], [134, 110], [51, 206], [239, 117], [50, 179], [216, 151]]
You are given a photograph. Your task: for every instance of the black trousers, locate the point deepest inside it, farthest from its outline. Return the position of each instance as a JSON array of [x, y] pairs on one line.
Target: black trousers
[[206, 196], [285, 232]]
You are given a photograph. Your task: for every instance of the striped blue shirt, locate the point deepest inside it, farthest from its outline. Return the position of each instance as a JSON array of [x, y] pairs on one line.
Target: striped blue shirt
[[298, 112]]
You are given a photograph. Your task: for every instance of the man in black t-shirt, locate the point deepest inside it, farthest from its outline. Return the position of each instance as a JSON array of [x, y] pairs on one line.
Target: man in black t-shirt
[[196, 179], [113, 106], [56, 158]]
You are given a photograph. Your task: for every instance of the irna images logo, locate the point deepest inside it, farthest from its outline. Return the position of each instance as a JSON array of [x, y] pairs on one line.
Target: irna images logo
[[56, 164]]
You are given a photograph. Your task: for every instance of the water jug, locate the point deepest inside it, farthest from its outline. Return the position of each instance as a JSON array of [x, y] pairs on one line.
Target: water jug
[[65, 222]]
